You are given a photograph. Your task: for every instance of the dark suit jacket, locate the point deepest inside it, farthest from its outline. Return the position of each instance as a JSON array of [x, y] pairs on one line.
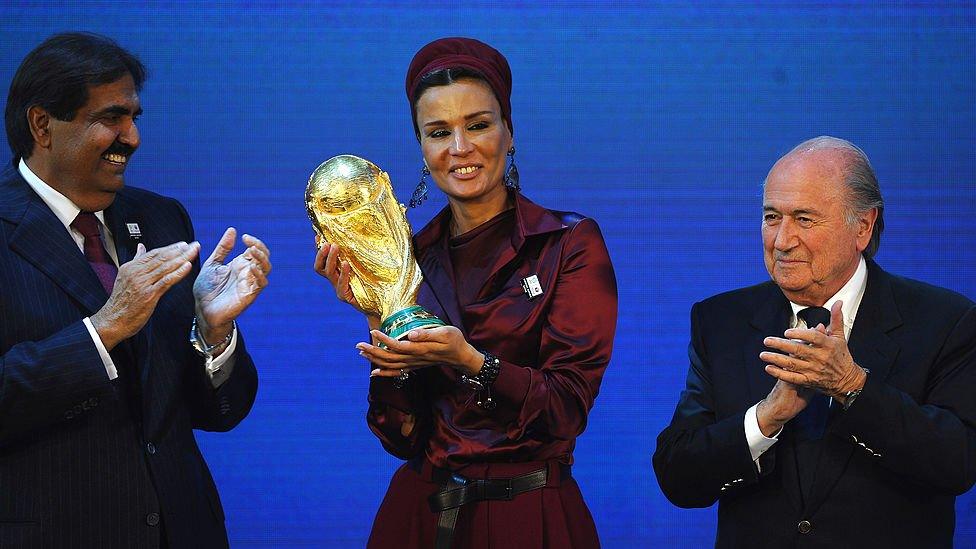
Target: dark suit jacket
[[85, 461], [891, 466]]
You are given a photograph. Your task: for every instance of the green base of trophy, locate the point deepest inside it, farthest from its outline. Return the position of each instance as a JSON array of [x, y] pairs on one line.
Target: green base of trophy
[[401, 322]]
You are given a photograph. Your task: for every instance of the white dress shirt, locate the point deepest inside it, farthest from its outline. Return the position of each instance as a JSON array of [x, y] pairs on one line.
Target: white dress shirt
[[851, 294], [67, 211]]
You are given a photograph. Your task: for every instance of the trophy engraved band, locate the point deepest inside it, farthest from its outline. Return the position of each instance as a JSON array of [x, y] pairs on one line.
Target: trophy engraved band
[[350, 202]]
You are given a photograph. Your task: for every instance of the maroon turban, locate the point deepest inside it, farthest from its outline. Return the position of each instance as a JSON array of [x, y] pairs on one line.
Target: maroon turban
[[467, 53]]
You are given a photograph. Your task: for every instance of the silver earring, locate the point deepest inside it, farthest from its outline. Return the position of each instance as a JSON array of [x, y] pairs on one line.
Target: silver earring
[[511, 174], [420, 193]]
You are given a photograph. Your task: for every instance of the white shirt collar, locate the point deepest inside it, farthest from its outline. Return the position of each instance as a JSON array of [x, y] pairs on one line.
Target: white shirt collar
[[61, 205], [851, 294]]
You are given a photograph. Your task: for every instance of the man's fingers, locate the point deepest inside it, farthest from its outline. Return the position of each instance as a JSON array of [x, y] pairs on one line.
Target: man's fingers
[[786, 362], [787, 346], [224, 246], [259, 257], [258, 276], [140, 250], [170, 278], [837, 319], [811, 336], [171, 262], [255, 242], [784, 375]]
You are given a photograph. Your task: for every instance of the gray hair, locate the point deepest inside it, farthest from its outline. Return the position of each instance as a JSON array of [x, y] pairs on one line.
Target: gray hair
[[864, 193]]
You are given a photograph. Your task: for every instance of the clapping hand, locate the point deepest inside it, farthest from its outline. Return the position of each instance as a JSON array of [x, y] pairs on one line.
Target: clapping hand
[[223, 291]]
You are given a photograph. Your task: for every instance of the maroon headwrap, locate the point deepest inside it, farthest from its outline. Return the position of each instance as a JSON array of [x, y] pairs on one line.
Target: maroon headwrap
[[468, 53]]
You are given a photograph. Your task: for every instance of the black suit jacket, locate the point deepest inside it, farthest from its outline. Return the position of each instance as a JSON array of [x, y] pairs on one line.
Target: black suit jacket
[[85, 462], [890, 466]]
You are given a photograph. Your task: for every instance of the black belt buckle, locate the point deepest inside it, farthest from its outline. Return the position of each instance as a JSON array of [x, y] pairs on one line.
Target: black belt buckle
[[496, 489]]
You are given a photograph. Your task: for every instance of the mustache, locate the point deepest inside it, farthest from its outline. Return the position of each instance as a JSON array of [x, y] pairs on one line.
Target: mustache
[[120, 148]]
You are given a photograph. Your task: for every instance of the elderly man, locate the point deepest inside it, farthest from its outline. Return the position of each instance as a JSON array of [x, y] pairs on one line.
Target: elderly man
[[834, 406], [115, 342]]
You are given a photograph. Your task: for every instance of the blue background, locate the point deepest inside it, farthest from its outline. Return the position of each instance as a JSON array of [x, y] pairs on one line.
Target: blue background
[[658, 120]]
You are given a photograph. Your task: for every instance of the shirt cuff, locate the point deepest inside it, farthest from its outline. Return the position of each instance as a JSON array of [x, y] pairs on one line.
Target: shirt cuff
[[758, 442], [102, 351], [222, 366]]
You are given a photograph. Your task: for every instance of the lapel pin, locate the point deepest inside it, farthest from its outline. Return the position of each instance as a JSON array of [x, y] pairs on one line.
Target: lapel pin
[[134, 232], [531, 287]]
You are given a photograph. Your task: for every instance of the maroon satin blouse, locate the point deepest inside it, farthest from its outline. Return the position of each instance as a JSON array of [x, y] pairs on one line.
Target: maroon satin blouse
[[553, 348]]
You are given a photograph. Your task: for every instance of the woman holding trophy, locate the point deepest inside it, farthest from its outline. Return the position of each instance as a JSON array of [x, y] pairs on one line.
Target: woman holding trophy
[[487, 408]]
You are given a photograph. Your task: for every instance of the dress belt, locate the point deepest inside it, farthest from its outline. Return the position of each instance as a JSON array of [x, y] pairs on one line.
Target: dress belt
[[459, 491]]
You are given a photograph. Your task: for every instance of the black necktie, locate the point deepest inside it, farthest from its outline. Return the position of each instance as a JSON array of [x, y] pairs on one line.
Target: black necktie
[[810, 423], [813, 419]]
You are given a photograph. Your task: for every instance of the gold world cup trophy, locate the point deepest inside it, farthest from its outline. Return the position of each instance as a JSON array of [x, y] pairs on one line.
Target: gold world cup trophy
[[350, 202]]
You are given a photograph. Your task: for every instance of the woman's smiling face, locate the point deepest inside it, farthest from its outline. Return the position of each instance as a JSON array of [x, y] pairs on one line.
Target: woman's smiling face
[[464, 139]]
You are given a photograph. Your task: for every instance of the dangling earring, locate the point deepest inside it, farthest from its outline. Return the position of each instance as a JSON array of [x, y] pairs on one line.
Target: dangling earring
[[420, 193], [511, 174]]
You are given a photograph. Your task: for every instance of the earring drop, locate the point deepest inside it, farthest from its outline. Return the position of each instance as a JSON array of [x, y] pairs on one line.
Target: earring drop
[[420, 193], [511, 174]]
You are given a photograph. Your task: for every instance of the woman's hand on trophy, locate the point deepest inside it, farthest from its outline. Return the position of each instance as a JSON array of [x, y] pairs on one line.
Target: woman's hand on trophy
[[337, 272], [444, 345]]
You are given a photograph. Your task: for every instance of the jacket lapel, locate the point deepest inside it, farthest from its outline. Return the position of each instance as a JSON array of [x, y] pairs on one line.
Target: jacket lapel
[[41, 239], [871, 347], [117, 216], [772, 318]]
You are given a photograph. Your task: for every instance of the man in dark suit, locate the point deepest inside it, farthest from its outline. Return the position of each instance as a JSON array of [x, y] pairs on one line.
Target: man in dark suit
[[848, 427], [114, 341]]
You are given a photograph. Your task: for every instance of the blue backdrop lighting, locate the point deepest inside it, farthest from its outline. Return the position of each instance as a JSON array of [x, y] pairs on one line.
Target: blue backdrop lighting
[[658, 120]]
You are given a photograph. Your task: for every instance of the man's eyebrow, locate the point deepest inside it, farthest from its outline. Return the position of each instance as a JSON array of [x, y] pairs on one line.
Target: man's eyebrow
[[793, 213], [118, 110]]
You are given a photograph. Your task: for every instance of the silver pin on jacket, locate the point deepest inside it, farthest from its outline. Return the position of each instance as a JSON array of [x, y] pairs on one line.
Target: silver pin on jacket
[[531, 286], [134, 232]]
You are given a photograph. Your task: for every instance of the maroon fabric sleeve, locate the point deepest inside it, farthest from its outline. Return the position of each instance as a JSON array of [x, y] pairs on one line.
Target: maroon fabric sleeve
[[390, 407]]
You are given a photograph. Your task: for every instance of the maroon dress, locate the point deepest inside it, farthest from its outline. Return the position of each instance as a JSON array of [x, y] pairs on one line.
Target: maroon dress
[[553, 349]]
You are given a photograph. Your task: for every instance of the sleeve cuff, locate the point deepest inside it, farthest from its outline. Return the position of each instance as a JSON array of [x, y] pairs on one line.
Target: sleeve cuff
[[102, 351], [757, 441], [221, 367]]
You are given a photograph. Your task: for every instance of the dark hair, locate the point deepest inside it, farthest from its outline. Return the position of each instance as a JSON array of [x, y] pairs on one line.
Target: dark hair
[[442, 77], [56, 75]]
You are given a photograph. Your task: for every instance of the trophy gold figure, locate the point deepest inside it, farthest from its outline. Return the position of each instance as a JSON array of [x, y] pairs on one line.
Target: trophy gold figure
[[350, 202]]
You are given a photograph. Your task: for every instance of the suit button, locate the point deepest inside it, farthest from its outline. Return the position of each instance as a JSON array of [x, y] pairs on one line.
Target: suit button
[[151, 448], [152, 519], [804, 527]]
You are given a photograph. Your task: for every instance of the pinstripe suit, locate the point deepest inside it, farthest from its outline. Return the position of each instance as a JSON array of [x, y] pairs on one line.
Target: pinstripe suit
[[85, 462]]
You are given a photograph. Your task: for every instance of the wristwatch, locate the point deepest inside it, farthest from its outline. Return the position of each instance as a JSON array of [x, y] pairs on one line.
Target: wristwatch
[[849, 396], [208, 351]]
